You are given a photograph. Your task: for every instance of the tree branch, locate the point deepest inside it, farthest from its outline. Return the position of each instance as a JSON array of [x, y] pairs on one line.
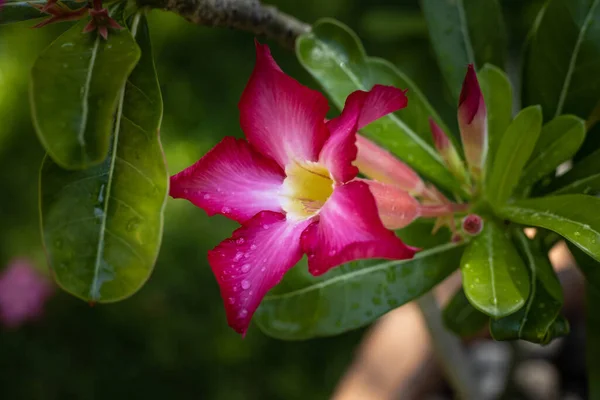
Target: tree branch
[[246, 15]]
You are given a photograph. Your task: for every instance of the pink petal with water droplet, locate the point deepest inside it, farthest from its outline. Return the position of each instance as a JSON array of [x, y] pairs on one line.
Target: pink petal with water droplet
[[283, 119], [232, 179], [361, 109], [396, 207], [246, 270], [349, 229]]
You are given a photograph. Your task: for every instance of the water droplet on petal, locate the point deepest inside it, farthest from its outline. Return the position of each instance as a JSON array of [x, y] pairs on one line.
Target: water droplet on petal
[[332, 252], [225, 210], [231, 300], [245, 268], [243, 313], [238, 256], [263, 269], [265, 226], [206, 196], [245, 284], [240, 241], [253, 247]]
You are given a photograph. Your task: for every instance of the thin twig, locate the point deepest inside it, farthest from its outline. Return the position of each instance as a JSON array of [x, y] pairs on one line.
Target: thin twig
[[246, 15]]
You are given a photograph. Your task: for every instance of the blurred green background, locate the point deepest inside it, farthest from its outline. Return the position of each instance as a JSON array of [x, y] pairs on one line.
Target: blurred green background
[[171, 340]]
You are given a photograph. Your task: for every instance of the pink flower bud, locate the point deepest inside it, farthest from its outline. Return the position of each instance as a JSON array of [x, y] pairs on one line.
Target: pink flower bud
[[472, 121], [472, 224], [379, 164], [448, 152], [23, 292], [395, 206]]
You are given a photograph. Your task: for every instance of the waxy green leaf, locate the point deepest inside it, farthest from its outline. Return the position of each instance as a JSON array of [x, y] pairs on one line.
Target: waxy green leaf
[[464, 32], [16, 11], [352, 295], [495, 278], [75, 87], [497, 93], [583, 178], [573, 216], [461, 317], [559, 141], [334, 56], [515, 149], [102, 226], [562, 64], [535, 322]]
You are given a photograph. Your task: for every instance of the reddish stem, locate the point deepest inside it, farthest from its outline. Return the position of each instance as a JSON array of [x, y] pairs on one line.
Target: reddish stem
[[442, 210]]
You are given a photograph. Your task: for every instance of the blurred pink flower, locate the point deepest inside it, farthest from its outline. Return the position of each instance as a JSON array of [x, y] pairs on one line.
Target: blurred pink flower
[[23, 292]]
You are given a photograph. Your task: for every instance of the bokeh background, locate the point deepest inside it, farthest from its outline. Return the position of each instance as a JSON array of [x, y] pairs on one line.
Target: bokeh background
[[171, 340]]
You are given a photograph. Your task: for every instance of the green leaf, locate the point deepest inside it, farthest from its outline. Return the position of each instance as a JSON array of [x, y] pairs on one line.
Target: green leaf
[[573, 216], [583, 178], [419, 234], [102, 226], [352, 295], [534, 322], [495, 278], [463, 32], [461, 317], [17, 11], [559, 141], [497, 93], [75, 87], [562, 66], [334, 56], [515, 149]]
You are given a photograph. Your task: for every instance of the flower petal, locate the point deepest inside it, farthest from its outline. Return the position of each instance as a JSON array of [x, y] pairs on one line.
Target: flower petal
[[361, 109], [281, 118], [253, 261], [349, 229], [472, 121], [232, 179], [395, 206], [379, 164]]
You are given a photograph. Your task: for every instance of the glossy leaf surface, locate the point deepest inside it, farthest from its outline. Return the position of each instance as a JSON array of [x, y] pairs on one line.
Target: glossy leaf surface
[[75, 87], [535, 322], [463, 32], [558, 142], [574, 216], [17, 11], [461, 317], [497, 93], [513, 152], [562, 64], [352, 295], [334, 56], [102, 226], [495, 278]]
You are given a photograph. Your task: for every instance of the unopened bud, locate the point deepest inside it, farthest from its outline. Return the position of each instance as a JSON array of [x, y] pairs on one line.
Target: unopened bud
[[472, 121], [395, 206], [472, 224], [448, 152]]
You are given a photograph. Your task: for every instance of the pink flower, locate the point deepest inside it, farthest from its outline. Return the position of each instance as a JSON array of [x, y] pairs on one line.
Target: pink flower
[[291, 186], [472, 121], [23, 292]]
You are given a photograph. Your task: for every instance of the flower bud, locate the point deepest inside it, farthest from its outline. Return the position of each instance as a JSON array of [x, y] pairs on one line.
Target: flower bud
[[472, 121], [377, 163], [448, 152], [472, 224]]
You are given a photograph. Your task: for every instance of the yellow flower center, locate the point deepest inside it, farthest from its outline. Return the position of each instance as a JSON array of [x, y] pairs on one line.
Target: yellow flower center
[[306, 188]]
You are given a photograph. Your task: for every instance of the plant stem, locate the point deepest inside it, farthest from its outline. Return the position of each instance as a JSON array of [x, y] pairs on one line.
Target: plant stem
[[246, 15], [448, 350]]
